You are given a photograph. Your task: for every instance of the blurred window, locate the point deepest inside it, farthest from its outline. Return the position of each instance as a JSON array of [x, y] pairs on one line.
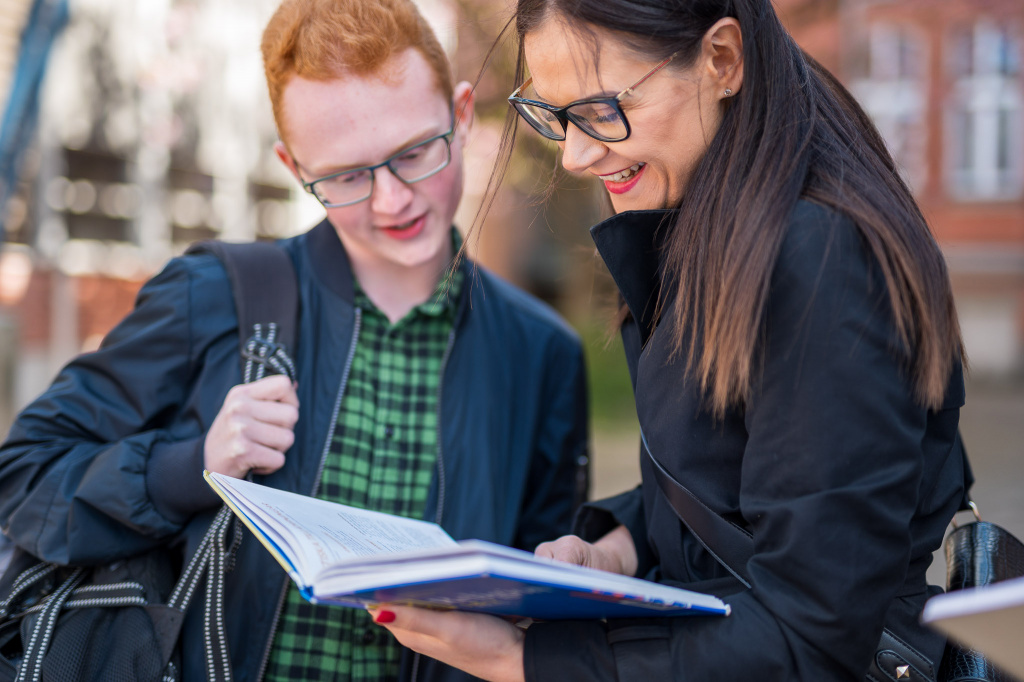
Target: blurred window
[[984, 116], [83, 196], [894, 93]]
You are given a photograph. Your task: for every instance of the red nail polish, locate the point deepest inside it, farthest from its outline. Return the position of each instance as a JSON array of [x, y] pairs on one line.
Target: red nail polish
[[384, 617]]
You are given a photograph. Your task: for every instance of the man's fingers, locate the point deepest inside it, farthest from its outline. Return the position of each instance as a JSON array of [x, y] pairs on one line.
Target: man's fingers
[[272, 436], [278, 388], [263, 460], [277, 413]]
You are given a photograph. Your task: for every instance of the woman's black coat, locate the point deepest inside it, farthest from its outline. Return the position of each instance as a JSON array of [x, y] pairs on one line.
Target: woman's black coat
[[845, 482]]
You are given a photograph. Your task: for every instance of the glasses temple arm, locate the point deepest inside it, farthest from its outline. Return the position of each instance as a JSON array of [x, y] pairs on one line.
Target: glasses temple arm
[[656, 69]]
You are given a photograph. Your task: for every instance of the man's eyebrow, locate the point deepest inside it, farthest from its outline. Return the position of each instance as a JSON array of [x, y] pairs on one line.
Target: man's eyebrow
[[422, 136]]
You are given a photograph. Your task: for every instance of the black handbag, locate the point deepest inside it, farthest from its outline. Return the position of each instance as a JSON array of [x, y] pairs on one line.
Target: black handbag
[[121, 622], [977, 554]]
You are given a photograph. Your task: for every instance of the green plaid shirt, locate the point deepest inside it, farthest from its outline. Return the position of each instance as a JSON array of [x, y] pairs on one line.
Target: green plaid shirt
[[382, 457]]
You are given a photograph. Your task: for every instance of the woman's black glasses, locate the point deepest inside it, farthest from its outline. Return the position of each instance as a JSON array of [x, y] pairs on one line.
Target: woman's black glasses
[[601, 118]]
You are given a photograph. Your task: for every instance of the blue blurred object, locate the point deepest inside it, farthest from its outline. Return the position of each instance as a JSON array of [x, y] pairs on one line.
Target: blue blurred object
[[45, 22]]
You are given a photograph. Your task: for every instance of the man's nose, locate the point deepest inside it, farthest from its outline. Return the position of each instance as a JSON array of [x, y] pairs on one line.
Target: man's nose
[[580, 151], [390, 194]]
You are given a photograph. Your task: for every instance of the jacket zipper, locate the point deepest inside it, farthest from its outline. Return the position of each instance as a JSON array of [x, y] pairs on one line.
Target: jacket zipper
[[439, 512], [316, 481]]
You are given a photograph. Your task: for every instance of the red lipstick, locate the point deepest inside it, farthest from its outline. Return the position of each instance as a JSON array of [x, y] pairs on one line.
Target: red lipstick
[[627, 184]]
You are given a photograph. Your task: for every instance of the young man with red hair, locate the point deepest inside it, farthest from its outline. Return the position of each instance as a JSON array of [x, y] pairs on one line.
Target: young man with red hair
[[426, 386]]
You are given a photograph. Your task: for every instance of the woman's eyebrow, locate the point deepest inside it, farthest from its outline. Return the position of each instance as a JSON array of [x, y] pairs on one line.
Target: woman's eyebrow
[[596, 95]]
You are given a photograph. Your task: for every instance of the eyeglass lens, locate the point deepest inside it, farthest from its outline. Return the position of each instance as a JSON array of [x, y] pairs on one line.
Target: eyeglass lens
[[598, 119], [412, 165]]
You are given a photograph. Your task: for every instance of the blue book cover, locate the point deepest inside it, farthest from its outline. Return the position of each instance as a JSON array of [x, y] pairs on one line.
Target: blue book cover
[[353, 557]]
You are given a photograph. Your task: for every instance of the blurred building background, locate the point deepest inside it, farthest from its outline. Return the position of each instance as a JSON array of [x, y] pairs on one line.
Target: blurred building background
[[153, 131], [944, 82]]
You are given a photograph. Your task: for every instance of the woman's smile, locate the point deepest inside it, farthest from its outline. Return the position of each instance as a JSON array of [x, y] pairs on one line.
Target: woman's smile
[[624, 180], [672, 115]]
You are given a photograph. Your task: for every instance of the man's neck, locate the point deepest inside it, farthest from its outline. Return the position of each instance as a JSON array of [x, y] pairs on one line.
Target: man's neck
[[396, 289]]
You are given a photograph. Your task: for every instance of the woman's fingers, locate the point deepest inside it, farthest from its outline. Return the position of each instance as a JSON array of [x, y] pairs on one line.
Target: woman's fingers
[[615, 552], [484, 646], [568, 548]]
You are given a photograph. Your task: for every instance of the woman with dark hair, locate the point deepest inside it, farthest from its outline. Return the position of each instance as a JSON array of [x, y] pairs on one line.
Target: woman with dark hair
[[794, 349]]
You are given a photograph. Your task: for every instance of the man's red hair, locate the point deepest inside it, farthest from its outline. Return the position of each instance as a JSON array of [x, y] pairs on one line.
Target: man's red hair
[[326, 39]]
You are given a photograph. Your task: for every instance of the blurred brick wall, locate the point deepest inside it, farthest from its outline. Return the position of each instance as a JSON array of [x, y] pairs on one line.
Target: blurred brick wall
[[101, 303]]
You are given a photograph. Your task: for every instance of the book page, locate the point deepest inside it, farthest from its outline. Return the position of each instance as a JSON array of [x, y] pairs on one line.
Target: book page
[[988, 619], [352, 557], [314, 534]]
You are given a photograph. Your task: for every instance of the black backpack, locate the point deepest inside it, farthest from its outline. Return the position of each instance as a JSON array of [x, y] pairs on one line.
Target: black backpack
[[120, 622]]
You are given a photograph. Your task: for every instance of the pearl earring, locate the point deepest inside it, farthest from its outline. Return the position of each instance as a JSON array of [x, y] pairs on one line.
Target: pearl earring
[[728, 92]]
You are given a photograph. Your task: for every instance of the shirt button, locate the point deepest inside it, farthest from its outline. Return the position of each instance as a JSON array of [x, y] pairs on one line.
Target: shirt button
[[369, 637], [389, 431]]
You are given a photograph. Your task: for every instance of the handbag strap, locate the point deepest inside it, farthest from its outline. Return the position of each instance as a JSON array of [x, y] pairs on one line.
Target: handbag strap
[[733, 547], [965, 503], [729, 544]]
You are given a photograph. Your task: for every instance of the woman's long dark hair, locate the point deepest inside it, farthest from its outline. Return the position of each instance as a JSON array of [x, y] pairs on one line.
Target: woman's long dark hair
[[793, 131]]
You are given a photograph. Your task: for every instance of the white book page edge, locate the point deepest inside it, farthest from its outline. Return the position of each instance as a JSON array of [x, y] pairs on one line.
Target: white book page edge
[[316, 533]]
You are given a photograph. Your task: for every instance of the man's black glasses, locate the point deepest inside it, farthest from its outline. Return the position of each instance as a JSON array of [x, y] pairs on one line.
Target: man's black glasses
[[412, 164]]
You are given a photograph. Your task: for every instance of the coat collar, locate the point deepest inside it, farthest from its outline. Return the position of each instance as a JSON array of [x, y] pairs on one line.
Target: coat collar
[[630, 245], [333, 268], [329, 260]]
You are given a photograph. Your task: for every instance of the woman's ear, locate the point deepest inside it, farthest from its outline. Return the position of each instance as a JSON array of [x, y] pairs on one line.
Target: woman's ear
[[722, 56], [463, 100]]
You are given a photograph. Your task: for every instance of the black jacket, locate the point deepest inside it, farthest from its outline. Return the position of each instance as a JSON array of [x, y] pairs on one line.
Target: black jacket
[[844, 481], [108, 461]]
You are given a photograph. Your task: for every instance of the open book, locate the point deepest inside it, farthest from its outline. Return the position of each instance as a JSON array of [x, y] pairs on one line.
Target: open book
[[342, 555], [988, 619]]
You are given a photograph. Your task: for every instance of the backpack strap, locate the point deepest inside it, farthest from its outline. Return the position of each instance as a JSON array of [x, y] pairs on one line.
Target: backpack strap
[[265, 291], [266, 295]]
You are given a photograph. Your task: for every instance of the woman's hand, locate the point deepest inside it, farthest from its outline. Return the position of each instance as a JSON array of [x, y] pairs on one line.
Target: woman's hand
[[484, 646], [615, 552]]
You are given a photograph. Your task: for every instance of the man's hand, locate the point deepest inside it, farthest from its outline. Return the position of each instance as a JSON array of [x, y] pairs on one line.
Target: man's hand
[[615, 552], [253, 429]]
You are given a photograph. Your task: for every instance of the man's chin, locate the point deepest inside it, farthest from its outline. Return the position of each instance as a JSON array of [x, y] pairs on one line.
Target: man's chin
[[425, 250]]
